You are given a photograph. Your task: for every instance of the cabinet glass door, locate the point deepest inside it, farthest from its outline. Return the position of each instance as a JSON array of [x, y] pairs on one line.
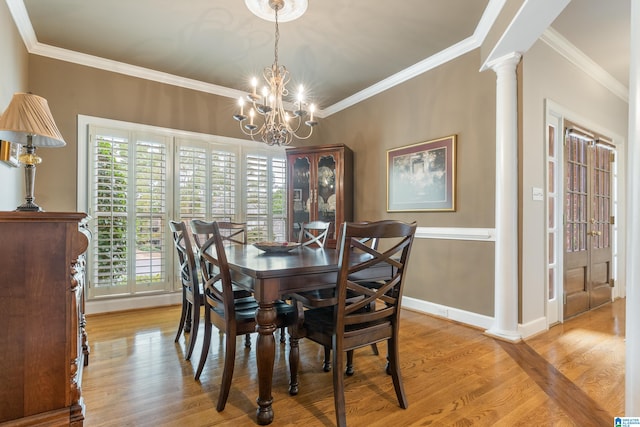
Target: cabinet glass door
[[325, 196], [302, 194]]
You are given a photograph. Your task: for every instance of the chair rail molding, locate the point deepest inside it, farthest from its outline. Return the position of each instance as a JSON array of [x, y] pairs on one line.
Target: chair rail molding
[[452, 233]]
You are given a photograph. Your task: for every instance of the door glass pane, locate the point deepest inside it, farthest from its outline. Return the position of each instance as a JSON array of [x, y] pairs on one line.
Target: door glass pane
[[601, 197], [576, 198]]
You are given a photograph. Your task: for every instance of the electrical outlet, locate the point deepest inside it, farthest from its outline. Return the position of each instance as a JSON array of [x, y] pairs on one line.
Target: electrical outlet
[[442, 312]]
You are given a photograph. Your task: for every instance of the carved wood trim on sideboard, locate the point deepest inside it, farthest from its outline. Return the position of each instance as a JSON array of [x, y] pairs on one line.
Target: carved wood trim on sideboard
[[42, 316]]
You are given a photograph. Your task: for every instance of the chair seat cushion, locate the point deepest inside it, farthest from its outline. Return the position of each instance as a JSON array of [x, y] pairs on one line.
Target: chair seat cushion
[[316, 297], [246, 310], [322, 320]]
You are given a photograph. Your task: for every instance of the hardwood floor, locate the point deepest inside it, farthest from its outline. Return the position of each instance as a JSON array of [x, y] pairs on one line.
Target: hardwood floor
[[572, 375]]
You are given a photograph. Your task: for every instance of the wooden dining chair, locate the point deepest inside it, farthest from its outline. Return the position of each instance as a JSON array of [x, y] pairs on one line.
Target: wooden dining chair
[[326, 297], [314, 233], [233, 232], [361, 315], [234, 316], [191, 289], [230, 233]]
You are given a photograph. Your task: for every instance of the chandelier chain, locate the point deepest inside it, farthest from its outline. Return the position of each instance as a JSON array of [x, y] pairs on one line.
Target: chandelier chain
[[275, 50]]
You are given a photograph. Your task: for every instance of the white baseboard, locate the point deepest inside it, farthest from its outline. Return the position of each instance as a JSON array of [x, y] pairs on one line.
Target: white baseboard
[[468, 318], [462, 316], [132, 303], [534, 327]]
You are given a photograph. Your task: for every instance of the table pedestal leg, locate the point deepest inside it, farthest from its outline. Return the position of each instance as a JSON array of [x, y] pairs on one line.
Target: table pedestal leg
[[266, 353]]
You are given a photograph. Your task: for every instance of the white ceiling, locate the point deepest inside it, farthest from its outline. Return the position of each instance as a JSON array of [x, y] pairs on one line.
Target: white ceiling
[[338, 49]]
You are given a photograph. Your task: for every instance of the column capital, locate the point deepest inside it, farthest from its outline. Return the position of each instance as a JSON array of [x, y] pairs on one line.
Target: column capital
[[508, 62]]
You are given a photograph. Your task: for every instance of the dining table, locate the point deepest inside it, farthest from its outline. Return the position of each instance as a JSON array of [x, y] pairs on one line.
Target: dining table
[[270, 276]]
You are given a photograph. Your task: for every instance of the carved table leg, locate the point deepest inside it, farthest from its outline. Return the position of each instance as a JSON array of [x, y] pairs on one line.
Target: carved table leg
[[265, 316]]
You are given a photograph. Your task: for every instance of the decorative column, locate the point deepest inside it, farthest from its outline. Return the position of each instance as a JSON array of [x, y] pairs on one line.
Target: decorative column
[[632, 368], [505, 321]]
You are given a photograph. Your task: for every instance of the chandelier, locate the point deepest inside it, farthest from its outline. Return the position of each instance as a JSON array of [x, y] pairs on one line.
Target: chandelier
[[277, 125]]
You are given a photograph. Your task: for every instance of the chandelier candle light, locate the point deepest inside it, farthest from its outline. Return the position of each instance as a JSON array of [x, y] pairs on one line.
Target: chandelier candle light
[[278, 127]]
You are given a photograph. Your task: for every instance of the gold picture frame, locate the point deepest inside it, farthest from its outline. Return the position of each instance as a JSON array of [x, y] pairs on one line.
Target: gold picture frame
[[422, 177], [9, 152]]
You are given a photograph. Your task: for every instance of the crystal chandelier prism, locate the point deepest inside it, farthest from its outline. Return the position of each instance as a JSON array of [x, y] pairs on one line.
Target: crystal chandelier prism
[[268, 120]]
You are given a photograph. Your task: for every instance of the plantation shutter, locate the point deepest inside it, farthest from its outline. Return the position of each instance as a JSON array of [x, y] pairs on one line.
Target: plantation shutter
[[265, 197], [279, 198], [192, 182], [151, 216], [224, 188], [109, 208], [128, 205]]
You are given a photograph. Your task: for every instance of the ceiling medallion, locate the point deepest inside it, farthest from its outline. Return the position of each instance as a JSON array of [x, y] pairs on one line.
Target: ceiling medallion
[[287, 11]]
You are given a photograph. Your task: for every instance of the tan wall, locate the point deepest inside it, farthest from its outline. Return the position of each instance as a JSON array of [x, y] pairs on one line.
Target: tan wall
[[452, 99], [73, 89], [13, 78]]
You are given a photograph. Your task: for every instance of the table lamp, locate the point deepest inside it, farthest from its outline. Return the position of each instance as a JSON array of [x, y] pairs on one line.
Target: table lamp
[[27, 121]]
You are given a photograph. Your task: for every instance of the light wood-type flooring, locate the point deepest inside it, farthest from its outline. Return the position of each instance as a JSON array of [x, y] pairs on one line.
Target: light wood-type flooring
[[454, 375]]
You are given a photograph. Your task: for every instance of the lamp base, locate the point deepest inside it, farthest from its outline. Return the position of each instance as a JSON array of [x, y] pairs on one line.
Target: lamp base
[[29, 207]]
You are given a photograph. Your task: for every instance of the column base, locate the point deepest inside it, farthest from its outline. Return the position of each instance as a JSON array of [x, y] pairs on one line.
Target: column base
[[509, 336]]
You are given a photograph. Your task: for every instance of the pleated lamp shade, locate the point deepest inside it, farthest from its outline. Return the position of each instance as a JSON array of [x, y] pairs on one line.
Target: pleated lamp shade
[[29, 114]]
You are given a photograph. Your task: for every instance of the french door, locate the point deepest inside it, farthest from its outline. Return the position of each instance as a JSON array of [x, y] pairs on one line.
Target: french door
[[588, 222]]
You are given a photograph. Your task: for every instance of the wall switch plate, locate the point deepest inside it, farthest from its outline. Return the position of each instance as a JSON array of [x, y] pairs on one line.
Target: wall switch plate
[[537, 194]]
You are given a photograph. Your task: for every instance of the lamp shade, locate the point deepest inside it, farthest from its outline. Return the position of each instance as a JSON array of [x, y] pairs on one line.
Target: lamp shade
[[29, 114]]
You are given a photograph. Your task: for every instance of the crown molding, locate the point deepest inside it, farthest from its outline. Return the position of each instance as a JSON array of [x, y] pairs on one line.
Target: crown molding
[[421, 67], [473, 42], [21, 18], [574, 55]]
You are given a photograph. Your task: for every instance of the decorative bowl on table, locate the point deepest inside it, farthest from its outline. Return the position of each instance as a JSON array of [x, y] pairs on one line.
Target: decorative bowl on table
[[276, 247]]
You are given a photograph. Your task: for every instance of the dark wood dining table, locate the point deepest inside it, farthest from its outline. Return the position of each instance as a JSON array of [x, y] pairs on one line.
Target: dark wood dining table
[[270, 276]]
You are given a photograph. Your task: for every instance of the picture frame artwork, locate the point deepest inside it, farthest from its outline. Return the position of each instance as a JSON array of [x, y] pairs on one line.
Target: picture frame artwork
[[297, 194], [9, 152], [422, 176]]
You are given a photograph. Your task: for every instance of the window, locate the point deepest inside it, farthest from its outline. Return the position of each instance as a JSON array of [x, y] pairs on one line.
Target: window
[[135, 178]]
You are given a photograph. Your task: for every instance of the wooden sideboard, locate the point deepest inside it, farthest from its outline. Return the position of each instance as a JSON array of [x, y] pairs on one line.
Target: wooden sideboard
[[43, 344]]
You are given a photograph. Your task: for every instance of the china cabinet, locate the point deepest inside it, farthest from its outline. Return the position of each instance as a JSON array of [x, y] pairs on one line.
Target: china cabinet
[[43, 344], [320, 187]]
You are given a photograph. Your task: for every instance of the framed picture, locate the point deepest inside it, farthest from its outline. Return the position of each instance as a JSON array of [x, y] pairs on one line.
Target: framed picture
[[422, 177], [297, 194], [9, 152]]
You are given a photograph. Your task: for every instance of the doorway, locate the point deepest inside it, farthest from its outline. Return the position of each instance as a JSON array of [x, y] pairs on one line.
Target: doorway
[[588, 220]]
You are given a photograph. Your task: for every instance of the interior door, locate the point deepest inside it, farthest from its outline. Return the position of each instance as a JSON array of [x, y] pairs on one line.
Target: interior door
[[587, 215]]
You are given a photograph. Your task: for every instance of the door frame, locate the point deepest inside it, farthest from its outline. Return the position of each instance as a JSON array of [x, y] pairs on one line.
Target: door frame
[[555, 116]]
